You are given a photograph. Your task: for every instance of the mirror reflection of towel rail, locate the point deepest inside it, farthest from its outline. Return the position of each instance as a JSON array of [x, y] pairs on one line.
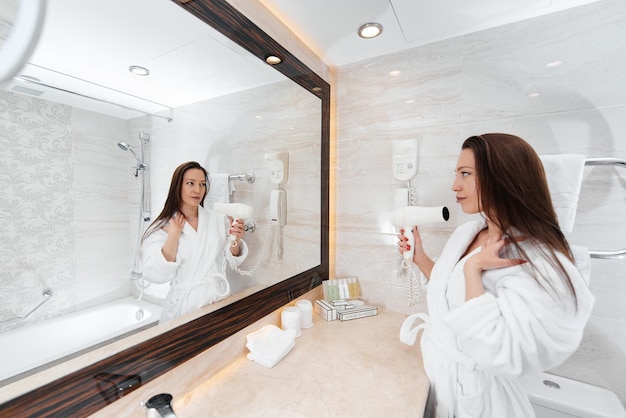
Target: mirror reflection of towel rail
[[47, 294], [607, 161], [249, 177]]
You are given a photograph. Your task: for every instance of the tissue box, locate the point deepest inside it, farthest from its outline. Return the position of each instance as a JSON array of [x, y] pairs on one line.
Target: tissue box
[[325, 310]]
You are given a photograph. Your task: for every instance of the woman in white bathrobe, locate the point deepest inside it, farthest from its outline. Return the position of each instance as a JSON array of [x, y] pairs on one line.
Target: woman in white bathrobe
[[505, 297], [187, 245]]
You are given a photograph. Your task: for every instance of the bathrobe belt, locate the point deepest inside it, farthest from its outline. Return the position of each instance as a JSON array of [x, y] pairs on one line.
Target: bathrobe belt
[[408, 335], [206, 280]]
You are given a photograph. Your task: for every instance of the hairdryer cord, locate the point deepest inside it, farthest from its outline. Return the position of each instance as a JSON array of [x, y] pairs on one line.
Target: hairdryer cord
[[266, 247]]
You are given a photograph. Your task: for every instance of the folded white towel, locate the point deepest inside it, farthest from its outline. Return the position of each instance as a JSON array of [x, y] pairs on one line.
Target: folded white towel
[[220, 189], [565, 174], [269, 345]]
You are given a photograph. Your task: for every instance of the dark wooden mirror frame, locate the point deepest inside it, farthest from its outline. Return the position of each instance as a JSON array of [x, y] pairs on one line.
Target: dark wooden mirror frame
[[90, 389]]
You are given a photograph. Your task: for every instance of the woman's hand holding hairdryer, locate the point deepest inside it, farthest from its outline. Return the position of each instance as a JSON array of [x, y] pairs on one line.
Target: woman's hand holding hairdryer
[[236, 228], [412, 245]]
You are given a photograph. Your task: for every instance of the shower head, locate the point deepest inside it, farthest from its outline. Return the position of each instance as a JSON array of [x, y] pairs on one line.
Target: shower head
[[126, 147]]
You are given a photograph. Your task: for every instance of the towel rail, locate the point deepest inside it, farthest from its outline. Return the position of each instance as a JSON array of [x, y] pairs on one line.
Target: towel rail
[[620, 162], [47, 294], [249, 177]]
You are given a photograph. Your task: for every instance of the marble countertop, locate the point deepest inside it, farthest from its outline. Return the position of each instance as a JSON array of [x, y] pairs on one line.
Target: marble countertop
[[356, 368]]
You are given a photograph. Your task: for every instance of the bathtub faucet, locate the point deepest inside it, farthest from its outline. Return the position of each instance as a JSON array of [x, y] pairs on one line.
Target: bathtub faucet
[[134, 275]]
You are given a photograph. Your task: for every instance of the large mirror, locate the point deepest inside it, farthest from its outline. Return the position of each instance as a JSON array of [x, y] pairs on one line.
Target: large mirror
[[73, 198]]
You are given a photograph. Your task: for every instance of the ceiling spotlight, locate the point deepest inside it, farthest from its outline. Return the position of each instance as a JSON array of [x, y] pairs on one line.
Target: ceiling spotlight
[[137, 70], [273, 59], [370, 30]]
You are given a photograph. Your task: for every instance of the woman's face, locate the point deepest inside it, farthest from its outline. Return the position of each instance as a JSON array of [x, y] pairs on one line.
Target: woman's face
[[194, 187], [465, 182]]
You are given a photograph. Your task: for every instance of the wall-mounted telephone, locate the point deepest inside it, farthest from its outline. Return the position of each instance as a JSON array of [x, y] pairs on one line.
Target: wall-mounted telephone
[[278, 207], [279, 166], [404, 160], [279, 170]]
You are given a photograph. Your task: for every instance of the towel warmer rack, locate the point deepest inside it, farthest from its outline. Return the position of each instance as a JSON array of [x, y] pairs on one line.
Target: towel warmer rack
[[47, 294], [620, 162]]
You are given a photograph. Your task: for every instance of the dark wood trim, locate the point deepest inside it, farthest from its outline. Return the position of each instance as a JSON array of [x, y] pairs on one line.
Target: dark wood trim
[[90, 389]]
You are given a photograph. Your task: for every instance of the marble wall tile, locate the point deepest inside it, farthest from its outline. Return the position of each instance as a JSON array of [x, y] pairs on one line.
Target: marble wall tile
[[444, 92]]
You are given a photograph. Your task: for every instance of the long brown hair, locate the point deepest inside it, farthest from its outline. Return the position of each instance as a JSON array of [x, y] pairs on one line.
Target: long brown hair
[[173, 201], [513, 194]]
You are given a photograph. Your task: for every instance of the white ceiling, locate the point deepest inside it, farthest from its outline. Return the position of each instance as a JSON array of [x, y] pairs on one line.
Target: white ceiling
[[329, 27], [87, 45]]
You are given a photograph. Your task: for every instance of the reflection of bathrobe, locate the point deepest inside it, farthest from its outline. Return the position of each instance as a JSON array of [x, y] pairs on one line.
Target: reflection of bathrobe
[[473, 351], [198, 275]]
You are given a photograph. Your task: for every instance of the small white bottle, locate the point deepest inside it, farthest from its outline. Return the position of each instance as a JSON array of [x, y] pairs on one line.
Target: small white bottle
[[345, 289]]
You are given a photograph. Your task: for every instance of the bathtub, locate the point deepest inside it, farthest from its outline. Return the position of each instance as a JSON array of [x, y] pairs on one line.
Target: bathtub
[[35, 345]]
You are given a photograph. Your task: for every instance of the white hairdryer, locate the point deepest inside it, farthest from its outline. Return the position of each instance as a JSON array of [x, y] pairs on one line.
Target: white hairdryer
[[417, 215], [236, 210]]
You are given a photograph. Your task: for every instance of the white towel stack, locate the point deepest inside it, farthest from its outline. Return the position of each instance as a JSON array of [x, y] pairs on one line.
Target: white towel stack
[[565, 175], [269, 345]]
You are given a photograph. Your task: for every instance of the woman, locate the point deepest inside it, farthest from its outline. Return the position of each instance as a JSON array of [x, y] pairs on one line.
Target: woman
[[505, 297], [188, 246]]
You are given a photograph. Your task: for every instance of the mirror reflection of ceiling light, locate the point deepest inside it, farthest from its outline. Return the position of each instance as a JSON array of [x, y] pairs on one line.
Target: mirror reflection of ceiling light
[[370, 30], [137, 70]]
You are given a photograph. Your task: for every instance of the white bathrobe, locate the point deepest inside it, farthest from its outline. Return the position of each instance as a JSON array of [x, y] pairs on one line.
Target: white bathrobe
[[198, 275], [474, 351]]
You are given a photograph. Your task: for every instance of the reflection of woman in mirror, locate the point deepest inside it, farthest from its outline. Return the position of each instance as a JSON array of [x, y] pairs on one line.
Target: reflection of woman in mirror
[[188, 246]]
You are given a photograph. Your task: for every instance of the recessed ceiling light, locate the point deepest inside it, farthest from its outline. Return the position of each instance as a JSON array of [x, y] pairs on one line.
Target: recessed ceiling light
[[137, 70], [370, 30], [273, 59]]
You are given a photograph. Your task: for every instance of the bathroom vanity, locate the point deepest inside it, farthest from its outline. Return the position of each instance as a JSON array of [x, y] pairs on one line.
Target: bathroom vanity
[[356, 368]]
